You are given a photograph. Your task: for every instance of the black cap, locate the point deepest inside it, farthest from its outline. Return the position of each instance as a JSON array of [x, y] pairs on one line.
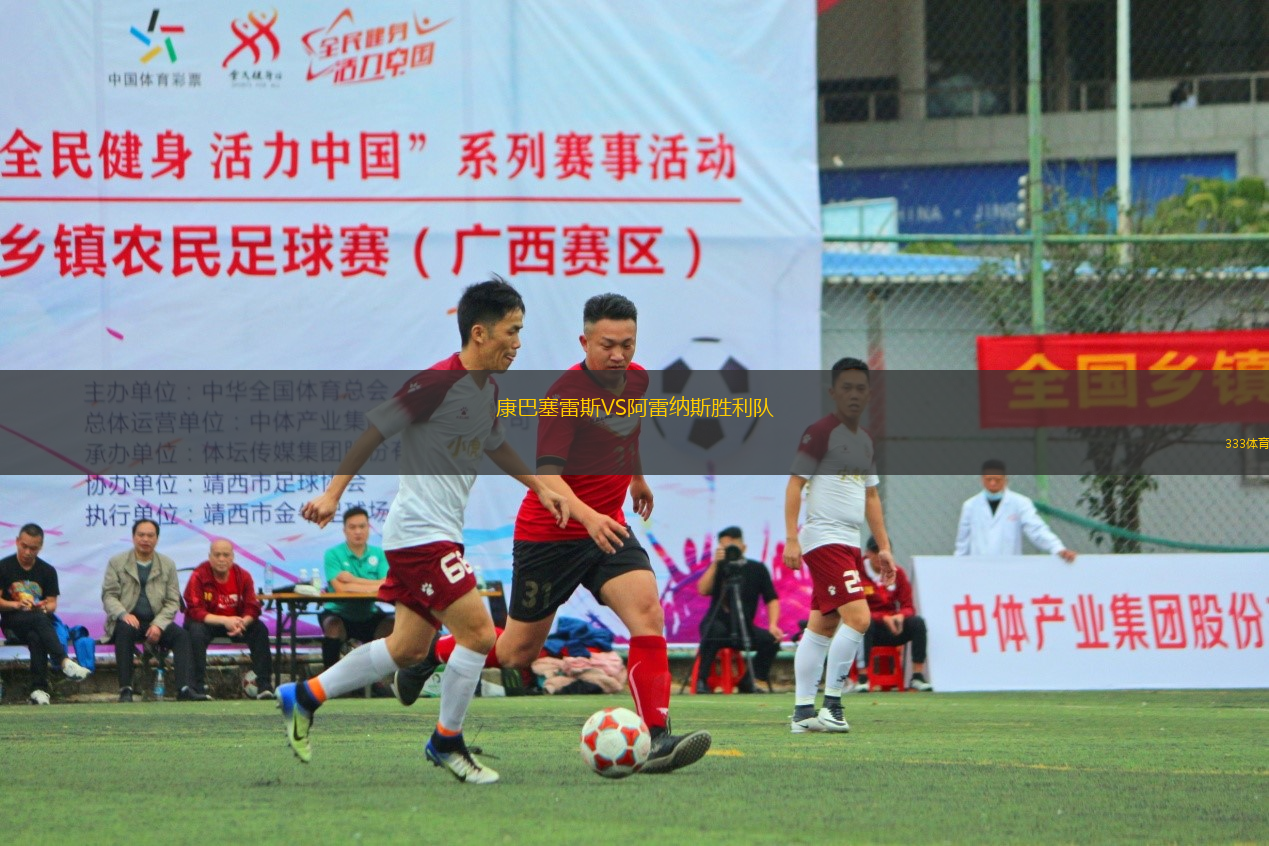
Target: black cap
[[731, 532], [872, 544]]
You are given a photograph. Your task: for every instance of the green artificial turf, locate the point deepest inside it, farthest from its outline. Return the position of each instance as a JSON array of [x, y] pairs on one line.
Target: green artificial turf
[[1146, 767]]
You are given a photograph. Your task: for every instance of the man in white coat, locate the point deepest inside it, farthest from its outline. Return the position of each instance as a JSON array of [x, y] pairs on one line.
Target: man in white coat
[[992, 521]]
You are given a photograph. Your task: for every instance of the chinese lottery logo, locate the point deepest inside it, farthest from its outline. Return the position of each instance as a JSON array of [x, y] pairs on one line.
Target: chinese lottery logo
[[148, 38]]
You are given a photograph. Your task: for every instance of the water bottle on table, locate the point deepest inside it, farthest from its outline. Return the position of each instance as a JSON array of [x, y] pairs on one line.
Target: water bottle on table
[[303, 580]]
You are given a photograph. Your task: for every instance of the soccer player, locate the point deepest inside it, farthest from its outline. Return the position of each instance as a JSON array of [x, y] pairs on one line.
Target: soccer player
[[592, 461], [834, 464], [447, 418]]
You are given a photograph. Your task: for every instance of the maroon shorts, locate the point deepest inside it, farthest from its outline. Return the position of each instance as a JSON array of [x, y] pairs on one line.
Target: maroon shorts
[[835, 576], [427, 578]]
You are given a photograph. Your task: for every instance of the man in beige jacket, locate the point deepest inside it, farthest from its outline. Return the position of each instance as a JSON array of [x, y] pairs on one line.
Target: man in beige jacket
[[141, 595]]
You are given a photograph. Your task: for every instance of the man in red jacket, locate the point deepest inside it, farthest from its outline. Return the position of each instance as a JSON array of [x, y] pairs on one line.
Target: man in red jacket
[[894, 619], [220, 601]]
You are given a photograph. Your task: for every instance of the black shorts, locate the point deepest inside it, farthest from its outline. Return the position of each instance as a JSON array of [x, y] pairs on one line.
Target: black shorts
[[544, 574], [362, 630]]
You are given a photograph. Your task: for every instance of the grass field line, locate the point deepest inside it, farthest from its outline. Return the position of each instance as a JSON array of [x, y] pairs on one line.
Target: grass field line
[[1022, 765]]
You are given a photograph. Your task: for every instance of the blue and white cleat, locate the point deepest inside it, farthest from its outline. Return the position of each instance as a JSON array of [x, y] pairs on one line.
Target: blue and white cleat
[[298, 722], [461, 765]]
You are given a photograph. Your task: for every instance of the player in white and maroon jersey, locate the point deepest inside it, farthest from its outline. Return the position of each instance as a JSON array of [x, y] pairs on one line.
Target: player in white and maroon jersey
[[834, 464], [592, 461], [447, 419]]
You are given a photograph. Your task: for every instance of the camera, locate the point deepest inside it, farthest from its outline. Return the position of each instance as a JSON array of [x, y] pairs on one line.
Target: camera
[[733, 563]]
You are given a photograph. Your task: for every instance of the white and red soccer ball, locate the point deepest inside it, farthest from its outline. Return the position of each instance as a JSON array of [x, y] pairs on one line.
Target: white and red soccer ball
[[250, 684], [615, 742]]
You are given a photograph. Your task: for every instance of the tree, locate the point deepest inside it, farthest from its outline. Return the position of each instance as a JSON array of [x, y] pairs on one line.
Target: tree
[[1090, 289]]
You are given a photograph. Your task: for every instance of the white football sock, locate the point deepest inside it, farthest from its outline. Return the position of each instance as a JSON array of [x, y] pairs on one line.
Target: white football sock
[[364, 665], [808, 666], [841, 657], [458, 686]]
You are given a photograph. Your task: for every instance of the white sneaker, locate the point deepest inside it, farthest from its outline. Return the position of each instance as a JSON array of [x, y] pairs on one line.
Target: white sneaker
[[832, 719], [805, 725], [39, 697], [72, 670], [919, 683]]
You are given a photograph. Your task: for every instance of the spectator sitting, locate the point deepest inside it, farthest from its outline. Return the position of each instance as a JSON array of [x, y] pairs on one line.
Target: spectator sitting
[[28, 598], [354, 567], [141, 597], [894, 619], [220, 601]]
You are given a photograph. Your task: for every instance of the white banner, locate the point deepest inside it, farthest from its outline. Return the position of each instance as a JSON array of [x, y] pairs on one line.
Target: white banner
[[1106, 622], [201, 185], [310, 185], [87, 520]]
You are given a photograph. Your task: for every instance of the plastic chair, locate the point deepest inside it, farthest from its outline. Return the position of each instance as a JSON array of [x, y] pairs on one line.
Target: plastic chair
[[729, 667], [885, 668]]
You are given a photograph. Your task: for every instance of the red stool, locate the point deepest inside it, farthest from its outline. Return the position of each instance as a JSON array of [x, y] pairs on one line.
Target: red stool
[[729, 667], [885, 668]]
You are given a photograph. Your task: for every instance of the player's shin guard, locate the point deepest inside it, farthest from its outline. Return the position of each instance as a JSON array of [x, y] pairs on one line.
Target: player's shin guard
[[841, 657], [458, 686], [808, 666], [650, 679], [364, 665]]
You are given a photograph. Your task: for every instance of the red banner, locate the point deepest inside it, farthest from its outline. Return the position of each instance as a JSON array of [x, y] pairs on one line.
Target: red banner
[[1124, 379]]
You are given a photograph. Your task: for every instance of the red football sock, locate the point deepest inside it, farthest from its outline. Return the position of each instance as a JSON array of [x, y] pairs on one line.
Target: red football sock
[[445, 648], [650, 679]]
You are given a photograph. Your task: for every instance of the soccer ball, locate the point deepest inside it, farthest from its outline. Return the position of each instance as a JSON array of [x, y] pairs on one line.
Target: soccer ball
[[708, 369], [250, 684], [615, 742]]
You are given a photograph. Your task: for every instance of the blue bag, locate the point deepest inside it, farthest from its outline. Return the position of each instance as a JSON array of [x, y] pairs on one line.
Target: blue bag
[[78, 640], [85, 648]]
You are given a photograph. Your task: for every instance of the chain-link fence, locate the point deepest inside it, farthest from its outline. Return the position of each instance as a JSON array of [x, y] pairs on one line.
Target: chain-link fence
[[934, 326], [924, 101], [901, 59]]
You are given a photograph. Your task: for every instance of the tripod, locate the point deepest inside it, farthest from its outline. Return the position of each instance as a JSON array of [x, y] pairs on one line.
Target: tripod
[[738, 626]]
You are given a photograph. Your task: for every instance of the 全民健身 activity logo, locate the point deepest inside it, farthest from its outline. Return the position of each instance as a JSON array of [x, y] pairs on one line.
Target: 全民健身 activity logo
[[348, 53]]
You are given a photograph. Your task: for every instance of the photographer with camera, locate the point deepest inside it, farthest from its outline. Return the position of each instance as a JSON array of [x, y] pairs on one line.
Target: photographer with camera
[[735, 584]]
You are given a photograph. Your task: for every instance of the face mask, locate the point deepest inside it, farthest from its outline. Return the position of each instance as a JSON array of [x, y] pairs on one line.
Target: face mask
[[995, 497]]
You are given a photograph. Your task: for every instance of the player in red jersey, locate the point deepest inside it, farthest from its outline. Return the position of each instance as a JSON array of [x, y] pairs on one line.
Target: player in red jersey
[[592, 461], [447, 418], [834, 464]]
